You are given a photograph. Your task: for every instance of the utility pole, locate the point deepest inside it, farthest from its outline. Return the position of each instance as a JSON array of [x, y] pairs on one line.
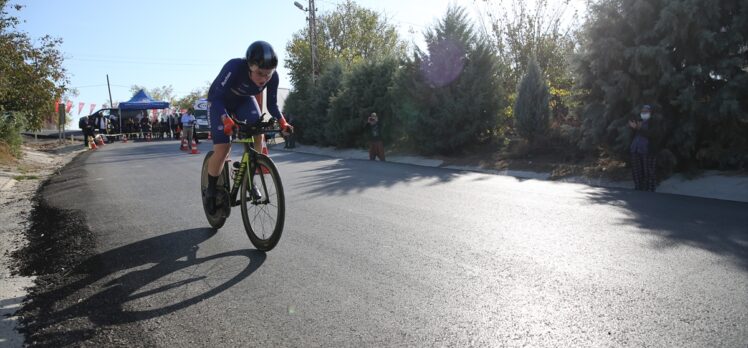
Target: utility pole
[[110, 91], [313, 37], [312, 18]]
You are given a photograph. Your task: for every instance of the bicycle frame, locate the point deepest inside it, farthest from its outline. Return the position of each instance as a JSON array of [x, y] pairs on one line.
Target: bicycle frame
[[249, 156]]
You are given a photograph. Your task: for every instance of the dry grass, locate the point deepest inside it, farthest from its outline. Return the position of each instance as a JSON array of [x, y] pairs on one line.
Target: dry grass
[[6, 158], [518, 155]]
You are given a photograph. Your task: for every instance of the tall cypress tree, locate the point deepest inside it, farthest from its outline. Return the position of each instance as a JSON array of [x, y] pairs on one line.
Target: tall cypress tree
[[531, 109], [451, 95], [688, 58]]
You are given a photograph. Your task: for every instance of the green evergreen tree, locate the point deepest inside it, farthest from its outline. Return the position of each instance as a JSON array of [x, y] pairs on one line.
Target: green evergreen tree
[[346, 37], [309, 107], [366, 89], [531, 109], [689, 59], [451, 96]]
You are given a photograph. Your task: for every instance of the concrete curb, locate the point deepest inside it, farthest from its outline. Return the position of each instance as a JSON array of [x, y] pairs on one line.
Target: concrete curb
[[711, 184]]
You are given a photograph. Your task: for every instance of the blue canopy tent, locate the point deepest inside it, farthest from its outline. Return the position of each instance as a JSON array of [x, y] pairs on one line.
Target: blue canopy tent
[[141, 101]]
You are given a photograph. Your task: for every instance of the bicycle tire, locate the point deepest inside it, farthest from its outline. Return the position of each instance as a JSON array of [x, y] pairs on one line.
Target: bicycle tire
[[273, 199], [218, 219]]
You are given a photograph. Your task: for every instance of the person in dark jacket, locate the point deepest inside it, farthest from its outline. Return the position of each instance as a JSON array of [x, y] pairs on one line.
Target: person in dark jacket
[[644, 147], [374, 129], [86, 125]]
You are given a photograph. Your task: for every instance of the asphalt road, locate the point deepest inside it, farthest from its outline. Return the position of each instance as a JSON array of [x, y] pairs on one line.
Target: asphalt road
[[384, 254]]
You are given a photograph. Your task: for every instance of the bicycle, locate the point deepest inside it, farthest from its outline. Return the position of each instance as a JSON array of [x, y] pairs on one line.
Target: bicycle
[[263, 216]]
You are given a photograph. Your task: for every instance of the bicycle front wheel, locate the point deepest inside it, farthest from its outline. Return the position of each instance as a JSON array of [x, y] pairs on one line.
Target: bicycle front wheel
[[263, 214]]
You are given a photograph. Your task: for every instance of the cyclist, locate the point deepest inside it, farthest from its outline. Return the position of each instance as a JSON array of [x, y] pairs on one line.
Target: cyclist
[[233, 92]]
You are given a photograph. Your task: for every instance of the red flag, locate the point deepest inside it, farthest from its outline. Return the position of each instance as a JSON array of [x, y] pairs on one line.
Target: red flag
[[93, 106], [68, 106], [80, 107]]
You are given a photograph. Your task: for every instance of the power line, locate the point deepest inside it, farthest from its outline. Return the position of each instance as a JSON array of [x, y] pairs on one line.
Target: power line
[[102, 85], [138, 62]]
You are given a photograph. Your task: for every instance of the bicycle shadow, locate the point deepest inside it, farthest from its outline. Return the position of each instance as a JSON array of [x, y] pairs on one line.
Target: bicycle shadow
[[139, 281]]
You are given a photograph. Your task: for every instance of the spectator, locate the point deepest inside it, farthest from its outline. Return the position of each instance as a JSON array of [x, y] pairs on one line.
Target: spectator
[[86, 126], [289, 137], [145, 127], [376, 146], [644, 150], [102, 124], [188, 122], [164, 128]]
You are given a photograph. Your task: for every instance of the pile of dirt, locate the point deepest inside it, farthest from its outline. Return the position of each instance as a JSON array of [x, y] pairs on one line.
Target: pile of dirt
[[58, 242], [60, 252]]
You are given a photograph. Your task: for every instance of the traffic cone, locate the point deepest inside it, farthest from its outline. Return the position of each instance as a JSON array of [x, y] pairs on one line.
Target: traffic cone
[[92, 143], [264, 152], [183, 146], [99, 141], [194, 148], [209, 136], [124, 138]]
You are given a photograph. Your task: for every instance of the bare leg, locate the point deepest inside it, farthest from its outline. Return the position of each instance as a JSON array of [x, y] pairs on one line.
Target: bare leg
[[258, 143], [220, 153]]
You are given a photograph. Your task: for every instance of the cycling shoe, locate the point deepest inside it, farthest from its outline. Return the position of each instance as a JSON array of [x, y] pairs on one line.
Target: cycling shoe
[[210, 201]]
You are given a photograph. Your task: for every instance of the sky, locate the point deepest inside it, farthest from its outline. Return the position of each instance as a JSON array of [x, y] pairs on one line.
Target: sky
[[180, 43], [185, 43]]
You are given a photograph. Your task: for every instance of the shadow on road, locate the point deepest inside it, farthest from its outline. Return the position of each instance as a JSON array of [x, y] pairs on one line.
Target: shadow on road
[[332, 176], [143, 280], [720, 227]]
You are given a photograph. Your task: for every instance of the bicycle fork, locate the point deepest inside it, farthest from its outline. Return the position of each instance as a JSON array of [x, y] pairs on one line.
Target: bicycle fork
[[238, 179]]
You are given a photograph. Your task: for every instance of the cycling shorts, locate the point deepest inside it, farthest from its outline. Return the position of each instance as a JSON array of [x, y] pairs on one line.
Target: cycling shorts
[[248, 111]]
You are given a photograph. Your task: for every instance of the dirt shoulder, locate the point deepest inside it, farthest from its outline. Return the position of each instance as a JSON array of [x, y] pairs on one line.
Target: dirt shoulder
[[20, 180]]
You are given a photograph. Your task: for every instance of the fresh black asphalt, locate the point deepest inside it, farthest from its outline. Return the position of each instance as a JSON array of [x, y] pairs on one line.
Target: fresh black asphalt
[[384, 254]]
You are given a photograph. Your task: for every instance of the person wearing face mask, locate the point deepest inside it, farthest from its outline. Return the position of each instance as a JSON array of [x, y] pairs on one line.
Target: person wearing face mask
[[643, 154]]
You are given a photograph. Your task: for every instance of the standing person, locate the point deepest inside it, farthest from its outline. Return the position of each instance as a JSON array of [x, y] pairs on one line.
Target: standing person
[[376, 146], [145, 127], [86, 126], [290, 139], [188, 122], [103, 125], [232, 93], [194, 127], [644, 150], [165, 127]]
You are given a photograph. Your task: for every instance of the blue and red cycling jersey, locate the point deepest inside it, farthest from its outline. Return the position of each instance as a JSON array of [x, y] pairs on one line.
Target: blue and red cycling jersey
[[232, 92]]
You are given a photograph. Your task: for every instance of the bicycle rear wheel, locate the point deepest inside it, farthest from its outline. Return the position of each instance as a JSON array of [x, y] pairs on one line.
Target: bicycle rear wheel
[[223, 208], [264, 216]]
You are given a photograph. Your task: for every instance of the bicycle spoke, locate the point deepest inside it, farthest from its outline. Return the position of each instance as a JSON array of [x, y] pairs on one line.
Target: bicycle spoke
[[263, 218]]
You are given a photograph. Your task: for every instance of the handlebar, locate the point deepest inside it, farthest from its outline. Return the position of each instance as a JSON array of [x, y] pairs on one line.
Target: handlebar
[[247, 130]]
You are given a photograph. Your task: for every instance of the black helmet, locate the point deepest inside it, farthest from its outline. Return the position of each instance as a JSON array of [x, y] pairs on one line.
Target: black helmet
[[260, 53]]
